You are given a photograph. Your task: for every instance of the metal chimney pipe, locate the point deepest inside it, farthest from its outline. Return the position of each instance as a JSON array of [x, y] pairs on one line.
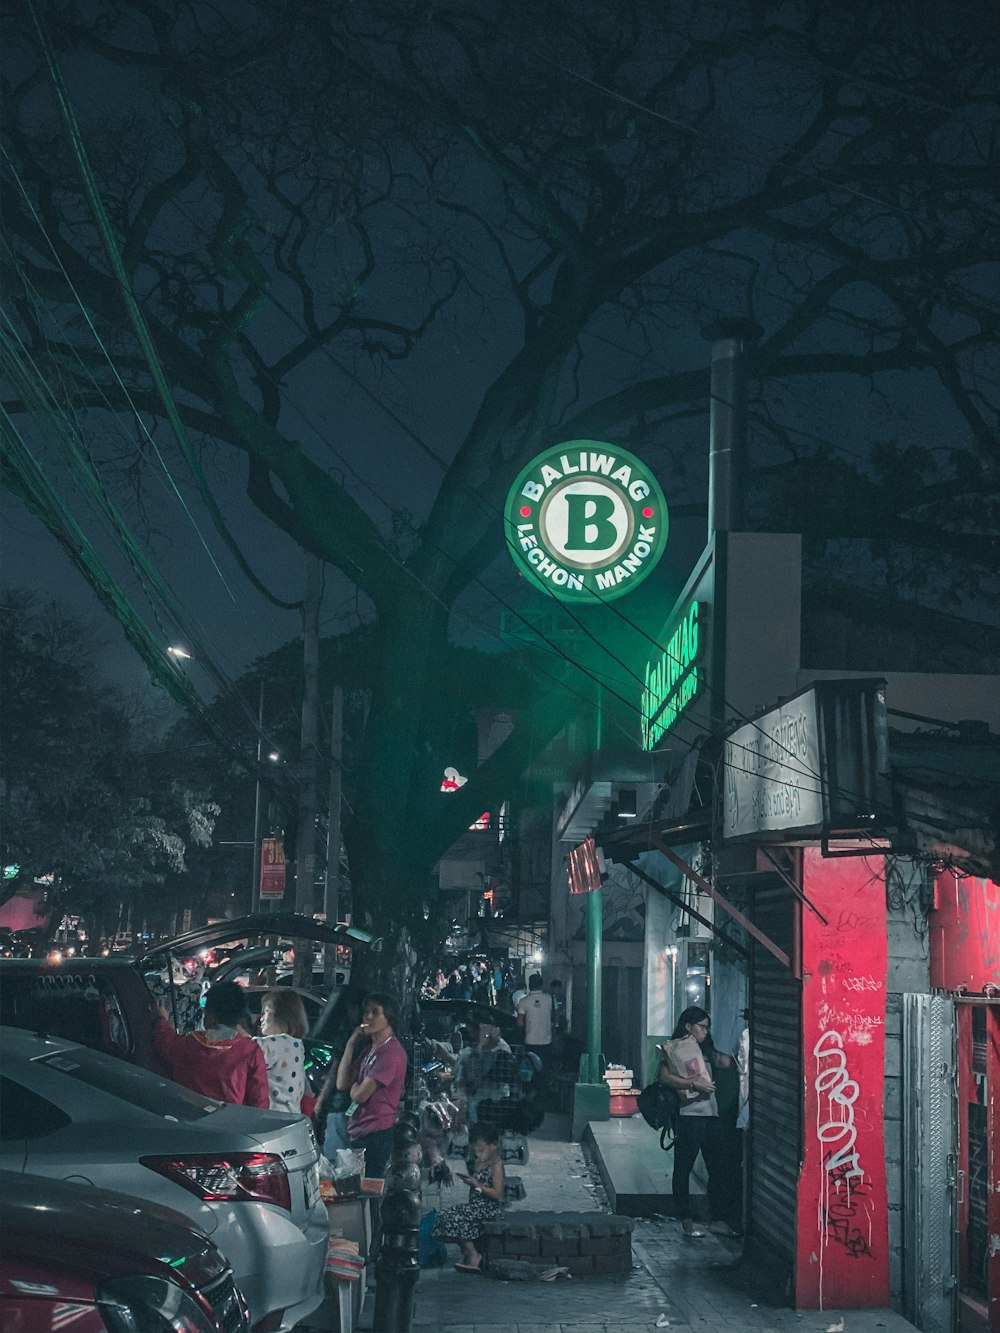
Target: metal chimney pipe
[[730, 339]]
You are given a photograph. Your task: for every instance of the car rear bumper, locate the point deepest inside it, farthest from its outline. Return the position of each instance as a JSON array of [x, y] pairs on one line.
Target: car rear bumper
[[277, 1265]]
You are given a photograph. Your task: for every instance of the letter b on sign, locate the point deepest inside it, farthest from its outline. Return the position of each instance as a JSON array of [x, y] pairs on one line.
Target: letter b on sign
[[588, 522]]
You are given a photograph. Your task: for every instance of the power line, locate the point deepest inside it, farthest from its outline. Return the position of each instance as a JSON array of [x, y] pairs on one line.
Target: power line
[[121, 383], [28, 378], [136, 316]]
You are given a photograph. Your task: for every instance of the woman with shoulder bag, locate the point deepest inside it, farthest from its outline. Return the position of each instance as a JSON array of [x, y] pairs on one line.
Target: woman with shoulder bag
[[699, 1130]]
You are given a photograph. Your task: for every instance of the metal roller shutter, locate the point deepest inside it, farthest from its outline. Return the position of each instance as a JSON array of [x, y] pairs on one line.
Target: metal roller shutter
[[775, 1082]]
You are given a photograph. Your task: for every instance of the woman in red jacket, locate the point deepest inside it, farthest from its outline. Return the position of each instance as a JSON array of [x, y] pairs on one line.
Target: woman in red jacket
[[220, 1062]]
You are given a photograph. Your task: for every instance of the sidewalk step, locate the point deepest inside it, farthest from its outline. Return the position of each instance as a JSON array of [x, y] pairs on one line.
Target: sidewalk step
[[636, 1171]]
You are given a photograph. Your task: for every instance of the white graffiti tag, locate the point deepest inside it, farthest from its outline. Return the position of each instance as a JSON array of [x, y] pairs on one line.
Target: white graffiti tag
[[837, 1128]]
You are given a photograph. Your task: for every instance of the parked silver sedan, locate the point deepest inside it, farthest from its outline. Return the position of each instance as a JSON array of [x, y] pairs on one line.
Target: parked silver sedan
[[248, 1178]]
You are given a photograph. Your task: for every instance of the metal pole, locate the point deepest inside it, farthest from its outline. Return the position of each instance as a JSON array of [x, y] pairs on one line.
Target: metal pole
[[728, 421], [305, 837], [397, 1269], [331, 882], [255, 853], [595, 927]]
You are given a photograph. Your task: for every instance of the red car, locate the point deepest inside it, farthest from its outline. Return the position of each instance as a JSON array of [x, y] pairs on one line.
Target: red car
[[76, 1259]]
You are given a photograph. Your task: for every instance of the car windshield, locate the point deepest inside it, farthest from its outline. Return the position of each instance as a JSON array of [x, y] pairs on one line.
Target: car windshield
[[136, 1086]]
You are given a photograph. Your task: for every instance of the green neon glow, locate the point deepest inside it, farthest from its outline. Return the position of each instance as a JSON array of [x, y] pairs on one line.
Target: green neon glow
[[674, 679]]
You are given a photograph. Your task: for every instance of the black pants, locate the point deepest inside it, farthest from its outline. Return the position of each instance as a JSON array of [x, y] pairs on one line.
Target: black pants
[[701, 1134], [378, 1148]]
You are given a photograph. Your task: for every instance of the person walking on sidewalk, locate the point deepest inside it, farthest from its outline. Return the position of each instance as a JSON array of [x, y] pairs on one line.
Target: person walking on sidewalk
[[534, 1015], [699, 1131]]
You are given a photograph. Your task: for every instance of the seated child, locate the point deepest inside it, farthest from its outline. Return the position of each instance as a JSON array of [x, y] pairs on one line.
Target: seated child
[[465, 1221]]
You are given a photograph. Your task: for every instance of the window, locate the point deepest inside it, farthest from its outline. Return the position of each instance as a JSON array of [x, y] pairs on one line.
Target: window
[[135, 1086], [25, 1115]]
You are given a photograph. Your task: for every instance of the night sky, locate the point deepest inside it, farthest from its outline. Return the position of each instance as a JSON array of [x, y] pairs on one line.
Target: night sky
[[341, 405]]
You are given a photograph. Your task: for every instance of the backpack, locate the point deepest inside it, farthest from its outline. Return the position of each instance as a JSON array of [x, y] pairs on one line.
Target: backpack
[[659, 1106]]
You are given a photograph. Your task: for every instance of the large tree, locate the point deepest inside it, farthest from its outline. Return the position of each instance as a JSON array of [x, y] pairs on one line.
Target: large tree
[[513, 221]]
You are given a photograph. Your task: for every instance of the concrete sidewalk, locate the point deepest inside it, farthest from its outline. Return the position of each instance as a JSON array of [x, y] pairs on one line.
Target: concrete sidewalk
[[688, 1286]]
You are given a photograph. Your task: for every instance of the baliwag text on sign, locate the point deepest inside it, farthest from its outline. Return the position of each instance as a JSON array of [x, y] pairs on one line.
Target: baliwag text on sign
[[586, 521], [673, 678]]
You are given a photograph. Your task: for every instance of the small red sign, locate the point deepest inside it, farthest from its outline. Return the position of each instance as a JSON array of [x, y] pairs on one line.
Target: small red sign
[[843, 1221], [272, 868]]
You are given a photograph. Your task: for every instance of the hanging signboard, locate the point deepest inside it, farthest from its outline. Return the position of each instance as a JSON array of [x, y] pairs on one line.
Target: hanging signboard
[[272, 868], [583, 866], [586, 521], [842, 1246], [772, 771]]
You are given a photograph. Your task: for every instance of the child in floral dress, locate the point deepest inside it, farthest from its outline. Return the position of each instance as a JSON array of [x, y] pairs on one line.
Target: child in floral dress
[[464, 1222]]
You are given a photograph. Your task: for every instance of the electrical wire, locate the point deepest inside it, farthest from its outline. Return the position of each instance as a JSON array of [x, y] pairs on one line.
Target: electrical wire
[[167, 474], [29, 380], [692, 129], [136, 316]]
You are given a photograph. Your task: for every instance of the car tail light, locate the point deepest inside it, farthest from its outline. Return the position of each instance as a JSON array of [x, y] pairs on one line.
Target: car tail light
[[238, 1176]]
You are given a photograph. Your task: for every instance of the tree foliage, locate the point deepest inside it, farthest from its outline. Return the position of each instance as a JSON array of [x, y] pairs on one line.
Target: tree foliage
[[513, 221], [84, 796]]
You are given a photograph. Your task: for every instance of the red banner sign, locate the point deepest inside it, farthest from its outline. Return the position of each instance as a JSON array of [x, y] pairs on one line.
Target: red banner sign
[[842, 1258], [272, 868], [584, 868], [965, 933]]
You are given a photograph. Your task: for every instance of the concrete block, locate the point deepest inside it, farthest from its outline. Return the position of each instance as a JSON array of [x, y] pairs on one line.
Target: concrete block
[[580, 1265], [521, 1246], [599, 1245], [612, 1265], [893, 1099], [556, 1248], [893, 1055]]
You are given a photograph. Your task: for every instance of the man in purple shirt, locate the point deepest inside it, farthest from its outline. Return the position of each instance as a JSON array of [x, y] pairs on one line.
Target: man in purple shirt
[[375, 1084]]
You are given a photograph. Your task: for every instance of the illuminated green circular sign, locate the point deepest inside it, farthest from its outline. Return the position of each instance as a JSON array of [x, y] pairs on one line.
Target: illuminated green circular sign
[[586, 522]]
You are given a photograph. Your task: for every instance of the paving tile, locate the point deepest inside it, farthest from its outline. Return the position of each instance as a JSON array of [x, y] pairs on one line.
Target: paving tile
[[692, 1283]]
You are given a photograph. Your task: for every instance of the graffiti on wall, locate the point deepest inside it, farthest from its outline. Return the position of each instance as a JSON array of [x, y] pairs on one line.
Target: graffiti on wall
[[842, 1245]]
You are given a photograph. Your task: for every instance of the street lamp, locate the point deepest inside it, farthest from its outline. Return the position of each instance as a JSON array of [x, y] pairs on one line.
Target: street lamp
[[174, 651]]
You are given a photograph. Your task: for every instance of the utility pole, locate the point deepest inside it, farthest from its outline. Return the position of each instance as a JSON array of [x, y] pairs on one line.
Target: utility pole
[[331, 883], [305, 840], [730, 338], [255, 903]]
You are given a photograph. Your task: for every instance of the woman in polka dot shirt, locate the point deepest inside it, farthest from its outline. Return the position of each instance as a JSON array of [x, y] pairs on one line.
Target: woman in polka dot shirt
[[282, 1026]]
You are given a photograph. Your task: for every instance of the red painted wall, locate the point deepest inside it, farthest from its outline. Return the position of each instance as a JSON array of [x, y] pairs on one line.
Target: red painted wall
[[993, 1162], [965, 932], [842, 1258]]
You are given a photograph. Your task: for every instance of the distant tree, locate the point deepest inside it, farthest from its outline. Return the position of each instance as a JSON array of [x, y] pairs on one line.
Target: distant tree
[[81, 797], [506, 224]]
